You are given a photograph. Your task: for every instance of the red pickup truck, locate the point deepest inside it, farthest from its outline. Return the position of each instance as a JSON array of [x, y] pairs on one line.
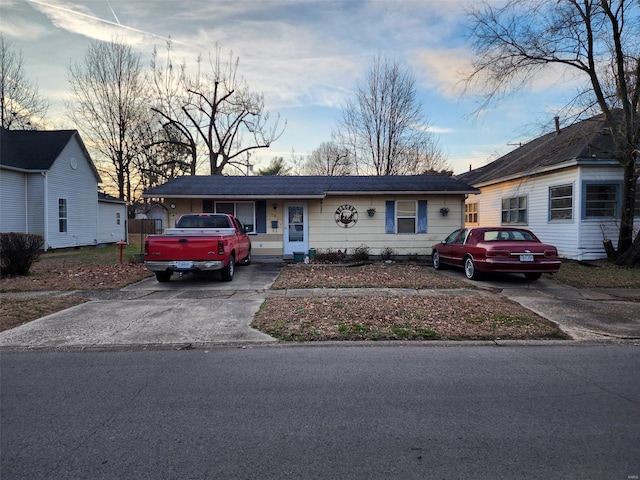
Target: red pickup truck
[[200, 242]]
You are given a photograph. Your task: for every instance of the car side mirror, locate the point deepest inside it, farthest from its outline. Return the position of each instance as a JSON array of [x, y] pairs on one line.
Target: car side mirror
[[444, 242]]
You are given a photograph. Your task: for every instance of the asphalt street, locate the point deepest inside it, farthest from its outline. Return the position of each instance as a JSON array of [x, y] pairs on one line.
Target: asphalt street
[[369, 412]]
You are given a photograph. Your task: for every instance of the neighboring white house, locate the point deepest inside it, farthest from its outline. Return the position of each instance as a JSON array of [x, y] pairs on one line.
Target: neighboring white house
[[565, 186], [112, 219], [49, 187], [286, 215]]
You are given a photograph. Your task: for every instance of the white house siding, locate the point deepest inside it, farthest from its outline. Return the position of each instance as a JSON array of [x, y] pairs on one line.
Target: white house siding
[[35, 203], [80, 187], [13, 217], [325, 234], [109, 230], [578, 238], [594, 231]]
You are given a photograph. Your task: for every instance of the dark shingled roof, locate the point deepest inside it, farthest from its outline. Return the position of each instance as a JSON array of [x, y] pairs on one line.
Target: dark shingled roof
[[304, 186], [36, 149], [589, 140]]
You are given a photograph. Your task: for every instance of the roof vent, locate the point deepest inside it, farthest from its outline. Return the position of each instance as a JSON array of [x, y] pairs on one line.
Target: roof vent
[[557, 120]]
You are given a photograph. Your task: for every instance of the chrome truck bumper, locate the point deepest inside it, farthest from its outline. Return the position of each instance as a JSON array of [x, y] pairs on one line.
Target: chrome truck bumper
[[184, 266]]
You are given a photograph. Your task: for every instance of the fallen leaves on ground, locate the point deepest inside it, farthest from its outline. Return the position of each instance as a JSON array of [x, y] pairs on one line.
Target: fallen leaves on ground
[[414, 317]]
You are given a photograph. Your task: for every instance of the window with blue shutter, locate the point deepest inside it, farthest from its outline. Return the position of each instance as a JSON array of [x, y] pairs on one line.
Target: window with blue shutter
[[390, 217], [261, 216], [422, 216]]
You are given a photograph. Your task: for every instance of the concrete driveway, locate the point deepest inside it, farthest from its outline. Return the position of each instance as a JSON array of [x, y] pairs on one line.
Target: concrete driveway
[[184, 312], [585, 314]]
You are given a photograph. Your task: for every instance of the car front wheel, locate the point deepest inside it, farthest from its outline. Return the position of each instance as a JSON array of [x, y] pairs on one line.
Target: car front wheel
[[437, 264], [470, 269]]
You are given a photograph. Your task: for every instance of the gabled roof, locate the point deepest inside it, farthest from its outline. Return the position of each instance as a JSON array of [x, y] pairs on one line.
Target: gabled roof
[[105, 197], [217, 186], [36, 150], [588, 141]]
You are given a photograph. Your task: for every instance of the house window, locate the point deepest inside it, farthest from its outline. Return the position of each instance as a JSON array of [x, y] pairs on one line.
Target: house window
[[514, 210], [561, 202], [62, 215], [601, 200], [243, 211], [406, 216], [471, 213], [117, 218]]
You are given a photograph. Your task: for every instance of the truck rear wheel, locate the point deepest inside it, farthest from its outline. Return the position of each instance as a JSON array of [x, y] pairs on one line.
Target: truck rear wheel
[[163, 276], [228, 271]]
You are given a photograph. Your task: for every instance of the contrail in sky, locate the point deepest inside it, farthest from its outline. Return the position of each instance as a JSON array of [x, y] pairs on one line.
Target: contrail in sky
[[114, 13], [92, 17]]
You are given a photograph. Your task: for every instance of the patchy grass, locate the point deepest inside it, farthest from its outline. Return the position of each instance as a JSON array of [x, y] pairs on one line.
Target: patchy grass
[[372, 275], [18, 310], [596, 274], [87, 268], [414, 317]]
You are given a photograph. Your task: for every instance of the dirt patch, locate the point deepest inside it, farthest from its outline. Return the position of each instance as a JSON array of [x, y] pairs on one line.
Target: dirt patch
[[370, 275], [401, 318]]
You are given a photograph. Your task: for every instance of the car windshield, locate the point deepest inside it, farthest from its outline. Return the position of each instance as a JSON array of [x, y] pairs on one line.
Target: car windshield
[[508, 235], [209, 221]]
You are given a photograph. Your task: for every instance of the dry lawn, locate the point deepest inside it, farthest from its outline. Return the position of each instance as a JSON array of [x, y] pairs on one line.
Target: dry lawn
[[443, 310], [56, 281]]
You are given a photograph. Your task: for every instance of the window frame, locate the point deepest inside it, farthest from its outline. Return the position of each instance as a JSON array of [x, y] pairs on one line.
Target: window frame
[[616, 203], [518, 209], [406, 217], [253, 224], [553, 209], [469, 213], [63, 215]]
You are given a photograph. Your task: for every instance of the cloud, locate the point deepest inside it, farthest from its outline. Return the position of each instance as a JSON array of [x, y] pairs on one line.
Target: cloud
[[442, 70]]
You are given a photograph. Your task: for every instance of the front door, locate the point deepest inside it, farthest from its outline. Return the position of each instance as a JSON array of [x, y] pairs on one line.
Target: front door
[[295, 229]]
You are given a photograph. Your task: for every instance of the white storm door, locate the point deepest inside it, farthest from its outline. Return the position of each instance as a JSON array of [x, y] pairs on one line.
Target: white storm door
[[295, 228]]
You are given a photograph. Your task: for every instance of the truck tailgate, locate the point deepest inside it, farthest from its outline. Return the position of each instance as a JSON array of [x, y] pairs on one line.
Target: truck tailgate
[[183, 247]]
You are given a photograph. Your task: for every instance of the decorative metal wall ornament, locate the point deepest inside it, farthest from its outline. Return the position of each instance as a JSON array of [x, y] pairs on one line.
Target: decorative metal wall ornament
[[346, 216]]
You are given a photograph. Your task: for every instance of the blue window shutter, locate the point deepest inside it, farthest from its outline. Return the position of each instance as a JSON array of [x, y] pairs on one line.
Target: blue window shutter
[[390, 217], [261, 216], [422, 216]]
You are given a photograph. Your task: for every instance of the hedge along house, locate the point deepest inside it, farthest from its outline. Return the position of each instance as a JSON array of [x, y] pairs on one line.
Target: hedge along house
[[290, 214]]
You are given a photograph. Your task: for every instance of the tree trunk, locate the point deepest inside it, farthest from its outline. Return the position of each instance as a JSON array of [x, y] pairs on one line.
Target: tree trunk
[[630, 258], [625, 238]]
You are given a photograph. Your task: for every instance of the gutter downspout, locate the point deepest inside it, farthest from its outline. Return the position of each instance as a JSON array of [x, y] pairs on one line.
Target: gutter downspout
[[46, 210]]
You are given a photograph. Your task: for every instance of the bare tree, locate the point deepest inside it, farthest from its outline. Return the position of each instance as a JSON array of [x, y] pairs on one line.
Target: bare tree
[[21, 107], [170, 97], [217, 111], [111, 108], [516, 41], [384, 121], [329, 159]]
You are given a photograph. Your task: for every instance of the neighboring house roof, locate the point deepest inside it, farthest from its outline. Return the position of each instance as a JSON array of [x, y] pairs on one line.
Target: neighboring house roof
[[36, 150], [586, 142], [195, 186], [105, 197]]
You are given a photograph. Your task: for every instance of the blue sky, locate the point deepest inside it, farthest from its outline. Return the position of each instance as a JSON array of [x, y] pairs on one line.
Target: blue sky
[[305, 56]]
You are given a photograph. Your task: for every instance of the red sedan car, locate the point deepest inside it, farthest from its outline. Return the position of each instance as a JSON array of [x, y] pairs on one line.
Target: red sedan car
[[496, 249]]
